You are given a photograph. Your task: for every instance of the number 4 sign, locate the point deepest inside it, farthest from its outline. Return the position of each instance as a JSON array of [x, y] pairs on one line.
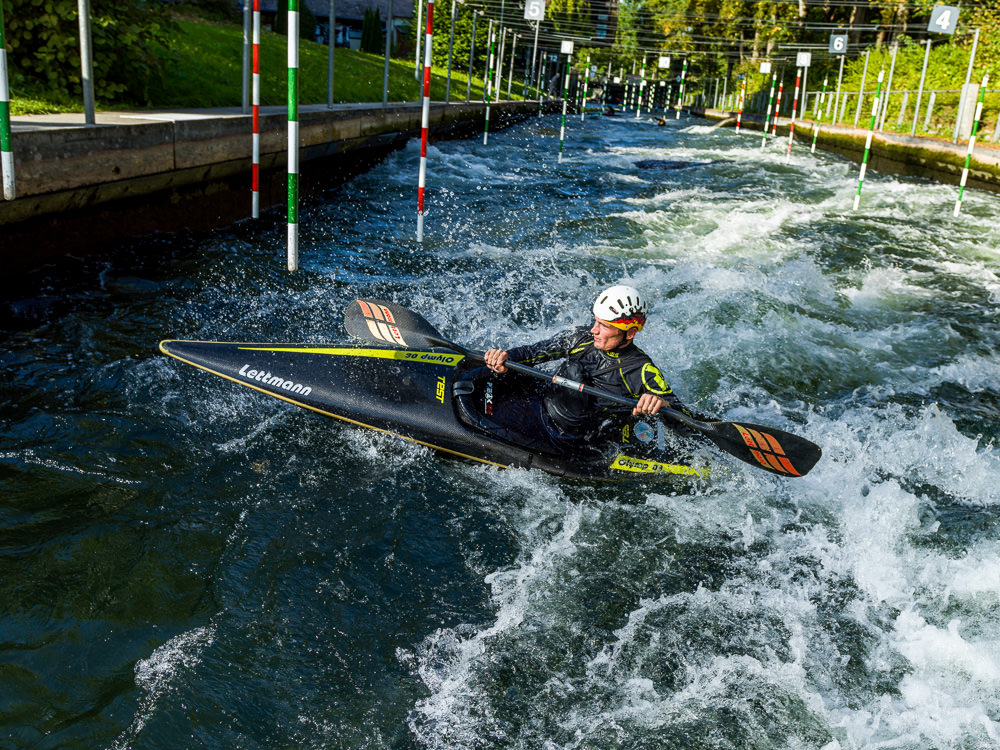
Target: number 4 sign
[[534, 10], [944, 18]]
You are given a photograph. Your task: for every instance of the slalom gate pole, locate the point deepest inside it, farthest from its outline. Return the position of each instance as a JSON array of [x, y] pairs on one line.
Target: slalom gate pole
[[586, 87], [836, 97], [868, 140], [425, 118], [777, 109], [767, 117], [562, 129], [498, 70], [472, 54], [451, 47], [972, 144], [6, 152], [541, 81], [255, 116], [920, 89], [388, 51], [488, 93], [795, 109], [293, 135], [641, 89], [819, 118], [680, 95], [416, 61], [329, 57], [739, 110], [513, 54]]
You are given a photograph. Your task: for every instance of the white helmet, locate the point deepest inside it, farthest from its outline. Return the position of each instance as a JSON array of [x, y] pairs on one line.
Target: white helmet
[[622, 307]]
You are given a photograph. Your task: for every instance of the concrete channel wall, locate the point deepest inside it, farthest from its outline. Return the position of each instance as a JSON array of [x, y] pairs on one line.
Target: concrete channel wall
[[891, 153], [82, 189]]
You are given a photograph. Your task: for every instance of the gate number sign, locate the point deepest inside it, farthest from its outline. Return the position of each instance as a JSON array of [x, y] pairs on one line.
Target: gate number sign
[[838, 44], [534, 10], [944, 18]]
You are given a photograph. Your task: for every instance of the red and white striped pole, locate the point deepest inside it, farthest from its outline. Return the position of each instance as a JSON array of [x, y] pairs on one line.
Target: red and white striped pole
[[425, 119], [777, 109], [795, 109], [255, 114], [739, 113]]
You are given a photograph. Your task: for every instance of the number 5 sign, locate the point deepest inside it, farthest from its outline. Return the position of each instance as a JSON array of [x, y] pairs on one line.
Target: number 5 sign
[[534, 10], [944, 18]]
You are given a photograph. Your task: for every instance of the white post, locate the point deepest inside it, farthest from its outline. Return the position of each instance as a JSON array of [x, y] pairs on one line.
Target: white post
[[86, 62], [968, 77]]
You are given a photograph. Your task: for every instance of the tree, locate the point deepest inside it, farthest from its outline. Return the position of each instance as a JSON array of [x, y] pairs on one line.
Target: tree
[[371, 32]]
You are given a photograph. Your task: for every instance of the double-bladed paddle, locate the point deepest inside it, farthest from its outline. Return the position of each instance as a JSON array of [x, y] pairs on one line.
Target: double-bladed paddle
[[767, 448]]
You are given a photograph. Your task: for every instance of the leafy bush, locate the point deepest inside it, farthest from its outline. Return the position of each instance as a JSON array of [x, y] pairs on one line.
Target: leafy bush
[[43, 39]]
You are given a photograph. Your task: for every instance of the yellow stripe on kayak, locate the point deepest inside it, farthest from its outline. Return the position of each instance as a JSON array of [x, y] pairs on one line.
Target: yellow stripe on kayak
[[405, 355], [645, 466]]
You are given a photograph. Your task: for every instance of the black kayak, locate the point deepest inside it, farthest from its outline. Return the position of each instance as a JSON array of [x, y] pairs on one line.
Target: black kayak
[[446, 401]]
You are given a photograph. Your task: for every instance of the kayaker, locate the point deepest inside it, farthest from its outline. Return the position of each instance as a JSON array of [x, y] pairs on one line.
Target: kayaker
[[604, 356]]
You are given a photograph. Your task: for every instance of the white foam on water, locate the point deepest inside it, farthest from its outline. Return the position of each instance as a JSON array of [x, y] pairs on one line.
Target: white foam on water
[[159, 673]]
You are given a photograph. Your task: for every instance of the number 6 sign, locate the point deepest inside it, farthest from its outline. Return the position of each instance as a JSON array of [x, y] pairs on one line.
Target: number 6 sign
[[534, 10]]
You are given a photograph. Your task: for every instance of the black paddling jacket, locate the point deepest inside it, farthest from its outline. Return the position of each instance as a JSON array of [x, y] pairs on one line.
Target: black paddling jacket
[[625, 372]]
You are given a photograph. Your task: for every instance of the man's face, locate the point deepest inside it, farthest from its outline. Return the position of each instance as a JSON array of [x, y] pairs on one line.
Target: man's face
[[606, 337]]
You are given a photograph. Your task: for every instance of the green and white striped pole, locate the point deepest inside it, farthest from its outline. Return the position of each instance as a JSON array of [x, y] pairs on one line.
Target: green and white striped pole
[[868, 140], [6, 153], [819, 118], [586, 87], [680, 95], [567, 49], [972, 144], [641, 89], [767, 117], [293, 135]]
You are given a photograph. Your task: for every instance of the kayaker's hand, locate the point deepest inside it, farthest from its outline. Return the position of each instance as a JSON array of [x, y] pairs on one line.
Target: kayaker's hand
[[495, 359], [648, 404]]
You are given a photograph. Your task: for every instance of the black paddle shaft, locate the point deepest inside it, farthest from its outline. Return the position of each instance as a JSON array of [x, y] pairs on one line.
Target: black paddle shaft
[[773, 450]]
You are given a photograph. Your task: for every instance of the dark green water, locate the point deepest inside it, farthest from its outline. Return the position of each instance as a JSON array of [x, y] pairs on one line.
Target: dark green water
[[186, 564]]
